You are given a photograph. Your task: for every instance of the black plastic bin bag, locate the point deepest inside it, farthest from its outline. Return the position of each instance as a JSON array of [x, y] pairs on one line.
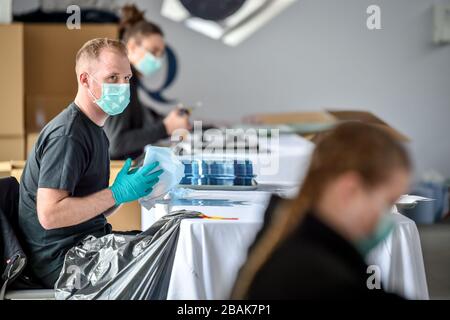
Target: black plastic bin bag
[[124, 267]]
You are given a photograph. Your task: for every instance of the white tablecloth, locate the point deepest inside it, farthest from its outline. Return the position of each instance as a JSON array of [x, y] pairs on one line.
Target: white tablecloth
[[211, 252], [400, 260], [205, 268]]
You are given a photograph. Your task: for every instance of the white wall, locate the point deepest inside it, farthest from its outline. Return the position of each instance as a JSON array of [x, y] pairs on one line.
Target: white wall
[[318, 54]]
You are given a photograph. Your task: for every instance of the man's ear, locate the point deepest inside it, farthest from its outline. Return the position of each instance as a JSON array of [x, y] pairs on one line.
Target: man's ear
[[83, 78]]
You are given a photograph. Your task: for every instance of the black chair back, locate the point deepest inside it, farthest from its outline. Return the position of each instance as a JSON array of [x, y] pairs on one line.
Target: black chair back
[[13, 257]]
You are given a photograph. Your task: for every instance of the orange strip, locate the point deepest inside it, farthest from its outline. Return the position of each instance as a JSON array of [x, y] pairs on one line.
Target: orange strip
[[204, 216]]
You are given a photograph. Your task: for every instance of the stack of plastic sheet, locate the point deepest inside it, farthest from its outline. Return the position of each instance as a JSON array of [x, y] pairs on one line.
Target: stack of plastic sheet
[[218, 172]]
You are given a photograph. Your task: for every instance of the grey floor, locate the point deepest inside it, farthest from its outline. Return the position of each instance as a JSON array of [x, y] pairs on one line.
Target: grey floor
[[435, 241]]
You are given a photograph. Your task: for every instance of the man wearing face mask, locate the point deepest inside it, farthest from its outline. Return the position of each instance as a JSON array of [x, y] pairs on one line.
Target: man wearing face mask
[[64, 193], [139, 125]]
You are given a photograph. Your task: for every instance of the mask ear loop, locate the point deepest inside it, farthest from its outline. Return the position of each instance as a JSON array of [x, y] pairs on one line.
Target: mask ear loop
[[89, 90]]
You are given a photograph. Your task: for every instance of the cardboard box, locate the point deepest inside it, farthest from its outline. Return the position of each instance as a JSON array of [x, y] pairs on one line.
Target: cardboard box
[[5, 169], [370, 118], [17, 168], [50, 80], [293, 117], [40, 66], [12, 148], [50, 51], [31, 140], [325, 117], [40, 109], [12, 81], [127, 217], [12, 168]]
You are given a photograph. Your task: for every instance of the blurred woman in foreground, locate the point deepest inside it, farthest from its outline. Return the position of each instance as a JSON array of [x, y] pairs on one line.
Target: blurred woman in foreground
[[314, 246]]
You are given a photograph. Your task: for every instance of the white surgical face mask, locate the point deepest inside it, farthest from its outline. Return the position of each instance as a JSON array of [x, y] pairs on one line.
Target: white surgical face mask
[[149, 64], [114, 99], [383, 229]]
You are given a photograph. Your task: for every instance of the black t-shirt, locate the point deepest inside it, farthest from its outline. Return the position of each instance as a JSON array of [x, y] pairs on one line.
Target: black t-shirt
[[70, 154]]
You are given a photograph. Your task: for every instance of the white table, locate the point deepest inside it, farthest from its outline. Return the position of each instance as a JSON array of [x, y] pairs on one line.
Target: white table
[[206, 269], [400, 260], [210, 252]]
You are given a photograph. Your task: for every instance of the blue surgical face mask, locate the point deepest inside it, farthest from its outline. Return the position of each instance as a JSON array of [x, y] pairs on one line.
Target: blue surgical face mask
[[115, 97], [149, 64], [383, 229]]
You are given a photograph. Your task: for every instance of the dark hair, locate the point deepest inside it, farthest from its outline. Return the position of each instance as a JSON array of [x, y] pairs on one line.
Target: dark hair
[[365, 149], [133, 24]]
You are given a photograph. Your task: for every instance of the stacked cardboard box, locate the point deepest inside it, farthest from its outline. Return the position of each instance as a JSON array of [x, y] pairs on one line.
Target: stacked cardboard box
[[12, 144], [50, 80], [31, 140], [39, 61], [5, 169], [40, 66]]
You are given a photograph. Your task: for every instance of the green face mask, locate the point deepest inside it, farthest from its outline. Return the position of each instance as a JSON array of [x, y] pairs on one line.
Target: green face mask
[[384, 228], [149, 64], [115, 97]]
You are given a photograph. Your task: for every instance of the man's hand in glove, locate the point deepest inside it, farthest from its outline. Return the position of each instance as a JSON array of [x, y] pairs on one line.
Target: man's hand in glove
[[133, 184]]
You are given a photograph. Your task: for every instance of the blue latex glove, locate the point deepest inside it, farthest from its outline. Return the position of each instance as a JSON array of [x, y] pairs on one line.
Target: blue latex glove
[[133, 184]]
